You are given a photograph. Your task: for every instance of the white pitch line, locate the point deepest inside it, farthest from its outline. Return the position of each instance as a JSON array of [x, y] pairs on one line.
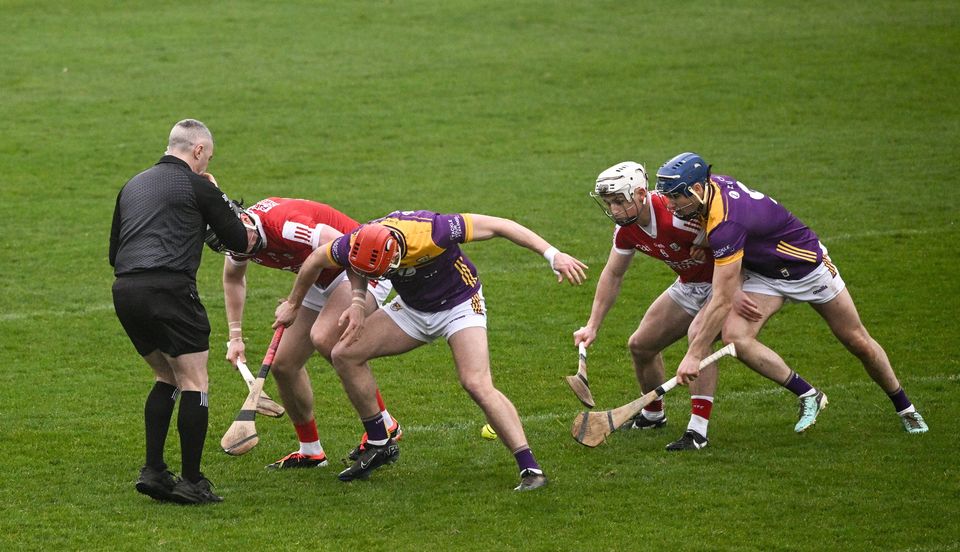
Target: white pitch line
[[58, 313], [735, 396]]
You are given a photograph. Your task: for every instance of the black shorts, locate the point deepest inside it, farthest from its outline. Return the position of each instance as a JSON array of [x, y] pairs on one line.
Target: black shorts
[[162, 310]]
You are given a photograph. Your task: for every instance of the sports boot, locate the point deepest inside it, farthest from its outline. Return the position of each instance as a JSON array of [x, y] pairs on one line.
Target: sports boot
[[913, 422], [810, 407], [531, 479], [200, 492], [370, 459], [642, 422], [394, 431], [298, 460], [156, 484], [690, 440]]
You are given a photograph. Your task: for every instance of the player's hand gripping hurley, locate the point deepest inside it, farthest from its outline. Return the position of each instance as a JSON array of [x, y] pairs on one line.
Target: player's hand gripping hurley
[[592, 428], [242, 434], [578, 382]]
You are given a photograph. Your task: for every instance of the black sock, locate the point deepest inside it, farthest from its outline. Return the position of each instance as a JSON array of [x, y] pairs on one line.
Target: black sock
[[156, 420], [192, 425]]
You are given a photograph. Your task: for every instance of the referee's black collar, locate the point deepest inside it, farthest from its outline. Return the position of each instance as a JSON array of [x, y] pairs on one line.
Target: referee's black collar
[[175, 160]]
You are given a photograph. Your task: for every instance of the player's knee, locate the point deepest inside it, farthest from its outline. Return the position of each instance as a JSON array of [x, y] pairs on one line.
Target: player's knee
[[859, 343], [640, 349], [477, 387]]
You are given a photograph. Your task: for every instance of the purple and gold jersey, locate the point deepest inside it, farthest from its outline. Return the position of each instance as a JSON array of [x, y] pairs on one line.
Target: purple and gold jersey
[[434, 274], [745, 224]]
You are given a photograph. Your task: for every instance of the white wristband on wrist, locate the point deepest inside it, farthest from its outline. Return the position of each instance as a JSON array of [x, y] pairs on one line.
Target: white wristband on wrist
[[550, 254]]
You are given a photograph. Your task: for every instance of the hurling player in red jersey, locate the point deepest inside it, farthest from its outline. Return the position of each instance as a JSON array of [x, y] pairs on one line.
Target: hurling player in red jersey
[[288, 230], [764, 256], [644, 223]]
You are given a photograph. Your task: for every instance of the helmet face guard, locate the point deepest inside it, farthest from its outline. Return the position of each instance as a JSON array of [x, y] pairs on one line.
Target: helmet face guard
[[623, 180], [249, 221], [374, 251], [677, 177]]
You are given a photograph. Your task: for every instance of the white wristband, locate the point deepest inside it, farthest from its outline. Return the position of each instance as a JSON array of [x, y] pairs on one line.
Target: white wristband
[[550, 254]]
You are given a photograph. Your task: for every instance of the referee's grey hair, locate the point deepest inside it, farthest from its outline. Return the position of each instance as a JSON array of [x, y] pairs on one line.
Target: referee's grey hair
[[186, 133]]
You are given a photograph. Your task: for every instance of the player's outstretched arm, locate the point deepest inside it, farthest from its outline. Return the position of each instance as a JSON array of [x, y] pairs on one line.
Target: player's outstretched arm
[[565, 266], [608, 288], [709, 321], [234, 298]]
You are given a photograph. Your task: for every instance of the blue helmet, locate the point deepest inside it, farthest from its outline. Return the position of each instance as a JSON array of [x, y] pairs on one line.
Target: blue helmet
[[677, 175]]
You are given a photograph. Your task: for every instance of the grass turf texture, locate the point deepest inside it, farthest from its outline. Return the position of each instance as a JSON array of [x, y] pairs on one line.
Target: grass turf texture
[[846, 114]]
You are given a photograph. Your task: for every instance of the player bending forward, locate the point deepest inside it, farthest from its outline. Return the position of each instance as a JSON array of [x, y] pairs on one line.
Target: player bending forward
[[439, 294], [645, 224], [761, 248], [287, 232]]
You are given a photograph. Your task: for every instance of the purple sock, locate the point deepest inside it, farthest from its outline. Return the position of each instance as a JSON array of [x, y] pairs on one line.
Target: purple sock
[[376, 430], [900, 400], [525, 459], [797, 385]]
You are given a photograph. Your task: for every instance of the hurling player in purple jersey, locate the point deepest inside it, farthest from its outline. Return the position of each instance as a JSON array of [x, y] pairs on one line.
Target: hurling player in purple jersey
[[438, 295], [761, 248]]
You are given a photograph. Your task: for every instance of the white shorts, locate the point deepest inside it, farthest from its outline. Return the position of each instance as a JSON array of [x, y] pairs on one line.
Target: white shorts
[[317, 296], [820, 286], [427, 326], [690, 296]]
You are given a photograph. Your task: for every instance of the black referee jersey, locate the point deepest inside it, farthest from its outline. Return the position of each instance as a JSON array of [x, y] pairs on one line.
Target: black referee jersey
[[161, 216]]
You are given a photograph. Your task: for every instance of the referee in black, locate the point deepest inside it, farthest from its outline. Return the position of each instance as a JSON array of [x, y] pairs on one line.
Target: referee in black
[[156, 239]]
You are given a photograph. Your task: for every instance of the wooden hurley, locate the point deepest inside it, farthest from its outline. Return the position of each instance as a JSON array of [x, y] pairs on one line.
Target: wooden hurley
[[242, 434], [592, 428], [265, 406], [578, 382]]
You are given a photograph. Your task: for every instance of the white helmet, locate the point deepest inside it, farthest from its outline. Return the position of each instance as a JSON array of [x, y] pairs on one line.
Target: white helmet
[[623, 179]]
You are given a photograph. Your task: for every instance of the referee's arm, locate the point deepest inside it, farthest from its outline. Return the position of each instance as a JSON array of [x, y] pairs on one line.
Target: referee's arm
[[115, 233], [216, 210]]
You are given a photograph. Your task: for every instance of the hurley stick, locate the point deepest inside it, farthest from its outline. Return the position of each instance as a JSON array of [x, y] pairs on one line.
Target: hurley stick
[[592, 428], [242, 434], [578, 382]]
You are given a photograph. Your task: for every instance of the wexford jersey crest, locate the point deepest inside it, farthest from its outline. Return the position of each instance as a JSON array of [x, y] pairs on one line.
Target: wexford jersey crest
[[434, 274]]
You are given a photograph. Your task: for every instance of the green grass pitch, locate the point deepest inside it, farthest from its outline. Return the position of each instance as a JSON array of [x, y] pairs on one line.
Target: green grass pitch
[[846, 112]]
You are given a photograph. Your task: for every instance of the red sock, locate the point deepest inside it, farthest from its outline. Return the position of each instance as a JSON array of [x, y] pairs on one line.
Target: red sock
[[307, 431], [655, 406], [701, 407]]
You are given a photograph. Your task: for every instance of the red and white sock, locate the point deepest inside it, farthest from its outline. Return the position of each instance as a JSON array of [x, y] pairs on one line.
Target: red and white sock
[[700, 408], [309, 438], [653, 411]]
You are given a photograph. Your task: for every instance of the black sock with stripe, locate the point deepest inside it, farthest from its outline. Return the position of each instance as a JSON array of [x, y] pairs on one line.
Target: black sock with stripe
[[192, 425]]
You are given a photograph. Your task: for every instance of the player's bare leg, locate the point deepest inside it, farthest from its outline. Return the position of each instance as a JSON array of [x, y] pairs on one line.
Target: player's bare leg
[[763, 360], [472, 358], [841, 315], [289, 368], [380, 337], [663, 324]]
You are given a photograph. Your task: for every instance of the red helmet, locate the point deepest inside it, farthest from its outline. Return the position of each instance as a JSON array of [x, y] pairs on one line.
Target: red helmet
[[374, 251]]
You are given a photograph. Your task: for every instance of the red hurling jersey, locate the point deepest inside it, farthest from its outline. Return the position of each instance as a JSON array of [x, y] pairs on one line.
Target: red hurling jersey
[[668, 239], [291, 231]]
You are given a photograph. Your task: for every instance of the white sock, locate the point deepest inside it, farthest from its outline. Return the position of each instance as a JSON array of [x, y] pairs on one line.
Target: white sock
[[907, 410], [698, 424], [810, 393], [387, 419], [311, 449], [653, 416]]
